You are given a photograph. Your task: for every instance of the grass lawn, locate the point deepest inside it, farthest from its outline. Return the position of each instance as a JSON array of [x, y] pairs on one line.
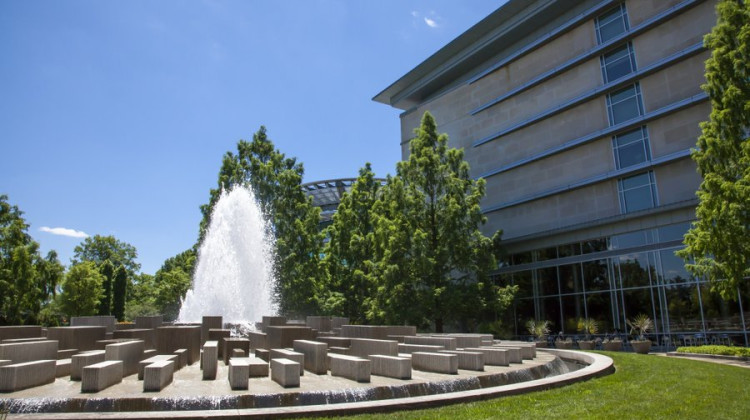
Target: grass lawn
[[644, 386]]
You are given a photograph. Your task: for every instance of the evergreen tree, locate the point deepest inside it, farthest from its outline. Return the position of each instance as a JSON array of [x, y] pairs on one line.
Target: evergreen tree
[[717, 244], [82, 290], [99, 249], [119, 293], [350, 251], [427, 229], [108, 276]]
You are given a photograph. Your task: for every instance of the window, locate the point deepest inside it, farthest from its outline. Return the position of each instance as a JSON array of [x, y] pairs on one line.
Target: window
[[631, 148], [637, 192], [624, 104], [612, 23], [618, 63]]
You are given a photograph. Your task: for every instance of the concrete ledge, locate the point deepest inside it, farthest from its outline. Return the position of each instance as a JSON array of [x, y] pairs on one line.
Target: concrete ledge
[[350, 367], [79, 361], [469, 360], [239, 373], [130, 353], [448, 342], [29, 351], [101, 375], [391, 366], [291, 355], [158, 358], [16, 377], [493, 356], [62, 368], [411, 348], [285, 372], [435, 362], [514, 354], [528, 350], [363, 347], [314, 355], [158, 375]]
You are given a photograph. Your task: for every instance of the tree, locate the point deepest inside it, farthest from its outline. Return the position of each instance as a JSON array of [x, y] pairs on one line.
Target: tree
[[350, 250], [108, 275], [717, 246], [99, 249], [276, 181], [119, 293], [172, 281], [427, 229], [82, 289]]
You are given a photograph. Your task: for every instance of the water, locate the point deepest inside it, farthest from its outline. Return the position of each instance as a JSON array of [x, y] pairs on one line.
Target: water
[[234, 274]]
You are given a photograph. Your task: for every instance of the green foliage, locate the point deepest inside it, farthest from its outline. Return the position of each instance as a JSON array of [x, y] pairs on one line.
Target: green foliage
[[119, 293], [588, 327], [99, 249], [539, 329], [717, 350], [82, 290], [141, 297], [643, 386], [276, 181], [27, 280], [433, 261], [171, 283], [717, 242], [640, 325], [108, 273], [350, 250]]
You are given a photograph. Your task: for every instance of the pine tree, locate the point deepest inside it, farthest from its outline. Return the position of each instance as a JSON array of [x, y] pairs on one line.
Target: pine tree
[[717, 244], [119, 293], [108, 276]]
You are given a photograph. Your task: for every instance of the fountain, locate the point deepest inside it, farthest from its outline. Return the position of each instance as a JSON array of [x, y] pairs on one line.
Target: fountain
[[234, 273]]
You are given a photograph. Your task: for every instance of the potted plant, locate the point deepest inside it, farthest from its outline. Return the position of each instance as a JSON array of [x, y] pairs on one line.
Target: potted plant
[[588, 327], [613, 343], [539, 329], [641, 325], [564, 343]]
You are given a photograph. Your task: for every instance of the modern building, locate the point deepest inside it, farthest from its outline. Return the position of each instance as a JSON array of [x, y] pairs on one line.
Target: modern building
[[580, 115], [327, 195]]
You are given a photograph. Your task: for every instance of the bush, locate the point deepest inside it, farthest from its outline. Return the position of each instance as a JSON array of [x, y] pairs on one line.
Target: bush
[[718, 350]]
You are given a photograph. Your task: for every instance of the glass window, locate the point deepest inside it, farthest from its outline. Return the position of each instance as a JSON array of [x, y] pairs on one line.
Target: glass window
[[611, 23], [547, 281], [571, 279], [634, 270], [569, 250], [684, 308], [624, 104], [595, 275], [572, 311], [632, 239], [595, 245], [523, 281], [673, 232], [546, 254], [618, 63], [599, 308], [550, 311], [673, 268], [631, 148], [637, 192]]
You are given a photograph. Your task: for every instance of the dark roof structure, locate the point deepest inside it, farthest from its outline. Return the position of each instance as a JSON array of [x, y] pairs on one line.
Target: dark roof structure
[[327, 194]]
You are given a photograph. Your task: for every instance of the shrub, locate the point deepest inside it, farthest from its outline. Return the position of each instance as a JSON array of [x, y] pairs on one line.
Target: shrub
[[718, 350]]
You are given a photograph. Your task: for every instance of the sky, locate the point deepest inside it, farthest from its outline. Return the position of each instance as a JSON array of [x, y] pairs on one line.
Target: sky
[[114, 115]]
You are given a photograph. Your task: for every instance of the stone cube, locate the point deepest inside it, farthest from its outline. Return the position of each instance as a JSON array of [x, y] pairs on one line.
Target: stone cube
[[283, 337], [208, 323], [106, 321], [130, 353], [186, 337], [391, 366], [232, 343], [219, 335], [435, 362], [149, 322], [285, 372], [315, 353], [258, 340], [469, 360], [149, 336], [153, 359], [492, 356], [363, 347], [210, 359], [272, 321], [82, 338], [448, 342], [29, 351], [239, 373], [157, 375], [291, 355], [81, 360], [102, 375], [18, 376], [20, 331], [350, 367]]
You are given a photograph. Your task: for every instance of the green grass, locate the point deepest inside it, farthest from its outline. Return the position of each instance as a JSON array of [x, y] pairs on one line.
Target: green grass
[[644, 386], [720, 350]]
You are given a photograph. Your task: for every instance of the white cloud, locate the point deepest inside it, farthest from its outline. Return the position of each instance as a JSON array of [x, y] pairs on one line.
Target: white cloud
[[61, 231], [431, 23], [415, 13]]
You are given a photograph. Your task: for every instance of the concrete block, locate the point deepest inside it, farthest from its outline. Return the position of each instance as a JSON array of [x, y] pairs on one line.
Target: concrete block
[[527, 350], [149, 353], [338, 350], [29, 351], [291, 355], [272, 321], [66, 354], [232, 343], [18, 376], [208, 323], [210, 359], [283, 337], [320, 323], [514, 354], [448, 342], [493, 356], [158, 358], [218, 335], [315, 352], [405, 330], [335, 341], [338, 321], [20, 331], [435, 362], [182, 358], [180, 337], [363, 347], [350, 367], [102, 375], [158, 375], [102, 344], [22, 340], [469, 360], [258, 340], [377, 332], [239, 373], [106, 321], [391, 366], [149, 322], [82, 338], [62, 367], [411, 348], [130, 353], [124, 326], [258, 367], [285, 372], [263, 354], [466, 340], [238, 353], [81, 360], [149, 336], [5, 362]]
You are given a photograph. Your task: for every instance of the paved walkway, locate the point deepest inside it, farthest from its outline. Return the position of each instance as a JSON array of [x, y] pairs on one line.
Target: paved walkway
[[730, 362]]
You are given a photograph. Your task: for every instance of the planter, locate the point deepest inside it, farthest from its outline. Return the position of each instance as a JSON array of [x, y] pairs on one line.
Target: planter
[[565, 345], [641, 347], [541, 344], [612, 346], [587, 345]]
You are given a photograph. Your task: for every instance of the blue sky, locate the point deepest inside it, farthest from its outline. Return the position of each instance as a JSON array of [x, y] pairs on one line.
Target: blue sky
[[114, 115]]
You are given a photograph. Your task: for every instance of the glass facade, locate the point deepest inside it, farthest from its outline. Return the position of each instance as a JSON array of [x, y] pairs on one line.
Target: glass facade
[[614, 279], [618, 63], [612, 23]]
